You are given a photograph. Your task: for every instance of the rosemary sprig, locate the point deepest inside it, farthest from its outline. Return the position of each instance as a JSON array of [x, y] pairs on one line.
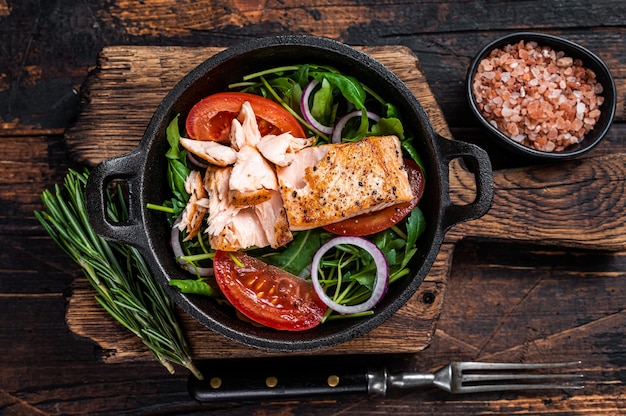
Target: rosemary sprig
[[123, 282]]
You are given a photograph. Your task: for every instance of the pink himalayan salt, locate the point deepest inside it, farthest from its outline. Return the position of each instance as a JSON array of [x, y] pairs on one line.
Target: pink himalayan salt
[[537, 96]]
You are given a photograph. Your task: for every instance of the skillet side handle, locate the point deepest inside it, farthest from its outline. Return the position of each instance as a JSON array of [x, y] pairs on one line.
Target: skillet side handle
[[124, 168], [479, 162]]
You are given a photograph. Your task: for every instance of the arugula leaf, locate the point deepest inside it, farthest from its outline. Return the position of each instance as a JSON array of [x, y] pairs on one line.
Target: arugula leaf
[[350, 87], [177, 170], [173, 135], [282, 84], [301, 76], [177, 173], [415, 226], [408, 147], [388, 126], [391, 111], [392, 257], [299, 253], [296, 95], [363, 126], [323, 102], [389, 242], [366, 280]]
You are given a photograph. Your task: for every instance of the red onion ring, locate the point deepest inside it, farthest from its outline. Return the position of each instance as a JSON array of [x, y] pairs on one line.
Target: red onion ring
[[196, 162], [380, 284], [306, 110], [341, 123], [178, 253]]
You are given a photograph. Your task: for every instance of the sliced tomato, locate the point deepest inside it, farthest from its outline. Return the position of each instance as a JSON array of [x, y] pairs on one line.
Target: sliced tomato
[[266, 294], [374, 222], [211, 117]]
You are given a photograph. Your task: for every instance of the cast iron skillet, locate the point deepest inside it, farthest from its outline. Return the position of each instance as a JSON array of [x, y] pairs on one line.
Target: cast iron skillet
[[145, 171]]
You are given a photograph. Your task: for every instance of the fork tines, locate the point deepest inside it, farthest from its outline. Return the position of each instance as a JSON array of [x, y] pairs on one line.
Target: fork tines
[[469, 377]]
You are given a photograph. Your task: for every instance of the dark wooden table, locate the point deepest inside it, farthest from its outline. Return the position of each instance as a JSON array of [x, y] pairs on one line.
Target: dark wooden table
[[511, 300]]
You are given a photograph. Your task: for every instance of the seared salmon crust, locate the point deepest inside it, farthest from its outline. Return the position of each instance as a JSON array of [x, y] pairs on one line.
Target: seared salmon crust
[[330, 183]]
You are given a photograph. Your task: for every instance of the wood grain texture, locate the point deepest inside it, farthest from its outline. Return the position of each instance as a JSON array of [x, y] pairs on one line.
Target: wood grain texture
[[47, 61], [576, 204]]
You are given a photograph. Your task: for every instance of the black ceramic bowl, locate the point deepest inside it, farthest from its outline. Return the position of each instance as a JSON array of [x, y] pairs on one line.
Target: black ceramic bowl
[[591, 61], [145, 171]]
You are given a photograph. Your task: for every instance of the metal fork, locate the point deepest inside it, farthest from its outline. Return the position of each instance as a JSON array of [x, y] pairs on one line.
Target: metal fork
[[477, 377]]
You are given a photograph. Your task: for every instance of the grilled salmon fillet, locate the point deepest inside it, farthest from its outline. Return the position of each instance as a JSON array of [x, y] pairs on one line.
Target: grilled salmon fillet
[[330, 183]]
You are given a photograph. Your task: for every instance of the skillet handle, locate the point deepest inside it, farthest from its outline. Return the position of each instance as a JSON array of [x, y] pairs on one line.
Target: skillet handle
[[479, 162], [124, 168]]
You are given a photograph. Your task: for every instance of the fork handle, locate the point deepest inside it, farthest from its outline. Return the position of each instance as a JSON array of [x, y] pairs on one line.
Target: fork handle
[[279, 379]]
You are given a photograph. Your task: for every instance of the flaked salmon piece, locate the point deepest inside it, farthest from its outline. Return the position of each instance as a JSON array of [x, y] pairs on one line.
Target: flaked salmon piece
[[330, 183], [232, 228], [273, 219], [221, 211], [197, 206], [281, 149], [236, 134], [213, 152], [252, 178], [243, 231], [244, 128]]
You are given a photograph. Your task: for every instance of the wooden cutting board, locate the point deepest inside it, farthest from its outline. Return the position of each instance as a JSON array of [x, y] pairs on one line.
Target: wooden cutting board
[[574, 204]]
